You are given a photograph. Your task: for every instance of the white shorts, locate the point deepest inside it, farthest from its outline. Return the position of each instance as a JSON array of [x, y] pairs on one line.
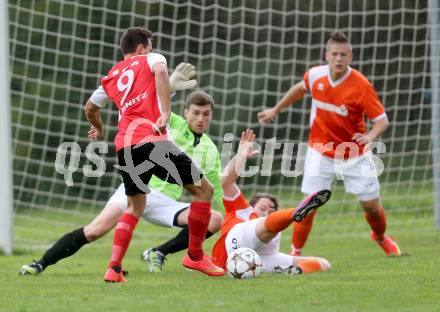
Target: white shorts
[[359, 174], [160, 209], [244, 235]]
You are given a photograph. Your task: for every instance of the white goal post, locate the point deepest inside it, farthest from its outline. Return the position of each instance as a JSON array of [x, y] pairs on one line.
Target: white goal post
[[6, 198], [434, 21]]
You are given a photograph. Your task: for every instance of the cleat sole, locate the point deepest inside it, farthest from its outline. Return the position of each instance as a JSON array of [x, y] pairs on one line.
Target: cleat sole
[[316, 200]]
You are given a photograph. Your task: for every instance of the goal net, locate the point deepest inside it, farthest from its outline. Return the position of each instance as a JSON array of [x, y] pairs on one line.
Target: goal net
[[248, 54]]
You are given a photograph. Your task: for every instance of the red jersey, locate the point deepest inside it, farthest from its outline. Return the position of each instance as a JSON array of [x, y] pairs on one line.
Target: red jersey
[[237, 210], [339, 109], [131, 85]]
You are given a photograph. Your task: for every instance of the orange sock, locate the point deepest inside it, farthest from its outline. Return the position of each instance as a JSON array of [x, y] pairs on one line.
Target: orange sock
[[279, 220], [308, 266], [301, 231], [378, 223]]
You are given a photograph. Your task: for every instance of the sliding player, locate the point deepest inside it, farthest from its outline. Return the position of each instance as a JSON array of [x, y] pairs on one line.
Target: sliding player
[[257, 224]]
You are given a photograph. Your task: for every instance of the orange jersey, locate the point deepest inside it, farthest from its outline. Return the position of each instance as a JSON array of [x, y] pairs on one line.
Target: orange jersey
[[339, 109], [237, 210]]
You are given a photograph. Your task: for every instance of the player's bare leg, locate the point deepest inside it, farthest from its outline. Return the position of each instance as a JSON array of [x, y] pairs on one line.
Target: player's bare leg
[[71, 242], [104, 222], [375, 216], [198, 220]]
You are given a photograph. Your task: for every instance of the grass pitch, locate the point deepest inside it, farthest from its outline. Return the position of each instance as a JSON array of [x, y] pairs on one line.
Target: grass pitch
[[362, 278]]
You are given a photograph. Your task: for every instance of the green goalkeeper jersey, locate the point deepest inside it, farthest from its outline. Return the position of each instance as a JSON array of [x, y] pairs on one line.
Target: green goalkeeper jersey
[[202, 151]]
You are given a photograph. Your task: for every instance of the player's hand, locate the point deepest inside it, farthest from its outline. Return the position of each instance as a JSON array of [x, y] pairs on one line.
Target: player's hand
[[267, 115], [362, 138], [246, 146], [161, 122], [95, 133], [181, 78]]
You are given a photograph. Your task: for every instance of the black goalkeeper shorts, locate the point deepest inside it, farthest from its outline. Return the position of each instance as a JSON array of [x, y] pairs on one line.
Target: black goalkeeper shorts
[[162, 158]]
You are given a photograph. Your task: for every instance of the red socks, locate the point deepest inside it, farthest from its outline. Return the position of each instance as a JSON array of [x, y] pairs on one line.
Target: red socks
[[123, 233], [378, 223], [301, 231], [198, 220]]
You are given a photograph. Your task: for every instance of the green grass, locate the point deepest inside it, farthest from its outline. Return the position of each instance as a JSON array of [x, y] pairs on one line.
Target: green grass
[[362, 278]]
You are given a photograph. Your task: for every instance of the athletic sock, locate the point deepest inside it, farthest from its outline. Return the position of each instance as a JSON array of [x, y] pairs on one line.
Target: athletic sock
[[121, 241], [177, 243], [279, 220], [309, 266], [64, 247], [378, 223], [301, 231], [198, 220]]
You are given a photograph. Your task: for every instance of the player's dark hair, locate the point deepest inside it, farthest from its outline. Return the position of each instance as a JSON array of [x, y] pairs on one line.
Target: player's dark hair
[[257, 196], [338, 37], [134, 36], [199, 98]]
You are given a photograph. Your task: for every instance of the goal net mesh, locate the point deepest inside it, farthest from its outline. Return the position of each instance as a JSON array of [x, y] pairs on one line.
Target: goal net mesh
[[248, 54]]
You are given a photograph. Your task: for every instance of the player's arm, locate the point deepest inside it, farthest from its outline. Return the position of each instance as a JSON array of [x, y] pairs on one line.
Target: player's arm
[[294, 94], [93, 115], [163, 92], [377, 129], [375, 111], [232, 171]]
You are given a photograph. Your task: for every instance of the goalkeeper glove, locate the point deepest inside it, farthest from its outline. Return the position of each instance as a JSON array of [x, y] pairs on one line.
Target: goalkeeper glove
[[180, 79]]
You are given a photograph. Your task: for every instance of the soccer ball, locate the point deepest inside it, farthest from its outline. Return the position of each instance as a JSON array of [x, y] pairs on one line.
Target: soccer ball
[[243, 263]]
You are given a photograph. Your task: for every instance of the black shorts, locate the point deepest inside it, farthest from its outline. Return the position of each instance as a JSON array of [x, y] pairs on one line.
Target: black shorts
[[162, 158]]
